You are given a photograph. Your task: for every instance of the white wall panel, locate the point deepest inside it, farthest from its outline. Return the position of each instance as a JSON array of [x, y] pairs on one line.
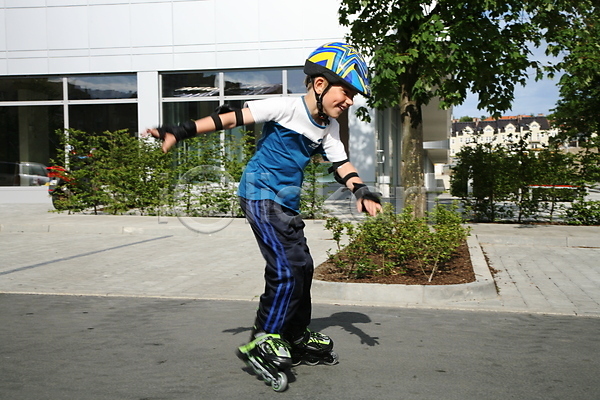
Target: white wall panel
[[24, 3], [25, 29], [172, 34], [2, 29], [109, 26], [3, 64], [68, 27], [238, 21], [25, 66], [114, 63], [57, 3], [238, 59], [280, 20], [152, 62], [147, 24], [293, 57], [107, 2], [69, 53], [68, 65], [135, 51], [320, 19], [153, 1], [195, 57], [195, 23]]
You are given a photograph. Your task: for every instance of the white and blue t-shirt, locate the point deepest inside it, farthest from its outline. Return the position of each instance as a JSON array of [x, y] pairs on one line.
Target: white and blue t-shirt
[[290, 137]]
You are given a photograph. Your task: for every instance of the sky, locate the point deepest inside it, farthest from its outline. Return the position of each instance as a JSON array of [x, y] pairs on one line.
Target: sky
[[535, 98]]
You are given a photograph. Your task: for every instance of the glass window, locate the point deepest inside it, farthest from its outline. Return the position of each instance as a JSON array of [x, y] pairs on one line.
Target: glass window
[[176, 113], [28, 133], [97, 118], [30, 88], [253, 82], [201, 84], [295, 81], [107, 86]]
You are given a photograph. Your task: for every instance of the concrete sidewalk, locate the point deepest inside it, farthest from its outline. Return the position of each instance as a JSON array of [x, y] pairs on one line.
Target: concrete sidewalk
[[538, 269]]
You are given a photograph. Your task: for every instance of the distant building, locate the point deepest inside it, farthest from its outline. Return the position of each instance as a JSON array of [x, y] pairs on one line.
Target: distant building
[[536, 130]]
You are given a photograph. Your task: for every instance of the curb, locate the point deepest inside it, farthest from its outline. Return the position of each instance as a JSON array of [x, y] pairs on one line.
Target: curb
[[377, 294]]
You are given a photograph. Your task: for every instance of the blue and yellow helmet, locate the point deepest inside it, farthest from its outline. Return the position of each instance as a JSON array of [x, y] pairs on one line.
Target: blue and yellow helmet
[[340, 63]]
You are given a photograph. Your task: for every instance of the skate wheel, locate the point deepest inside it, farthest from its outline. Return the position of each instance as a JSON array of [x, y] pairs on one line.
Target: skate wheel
[[280, 384], [334, 359]]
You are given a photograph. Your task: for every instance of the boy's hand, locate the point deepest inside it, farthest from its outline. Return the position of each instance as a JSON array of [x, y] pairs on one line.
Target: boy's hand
[[366, 201], [168, 142], [369, 206]]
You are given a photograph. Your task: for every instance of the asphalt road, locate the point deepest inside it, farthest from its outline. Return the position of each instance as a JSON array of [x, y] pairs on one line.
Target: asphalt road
[[73, 347]]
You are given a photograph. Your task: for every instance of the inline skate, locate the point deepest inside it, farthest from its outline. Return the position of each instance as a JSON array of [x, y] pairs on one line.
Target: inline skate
[[269, 356], [313, 348]]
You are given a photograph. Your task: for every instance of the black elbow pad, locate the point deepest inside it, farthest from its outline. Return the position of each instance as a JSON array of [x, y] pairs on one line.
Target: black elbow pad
[[239, 116]]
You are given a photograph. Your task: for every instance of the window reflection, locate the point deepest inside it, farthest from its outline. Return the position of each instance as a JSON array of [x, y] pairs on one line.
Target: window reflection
[[295, 81], [202, 84], [28, 133], [30, 88], [253, 82], [176, 113], [98, 118], [107, 86]]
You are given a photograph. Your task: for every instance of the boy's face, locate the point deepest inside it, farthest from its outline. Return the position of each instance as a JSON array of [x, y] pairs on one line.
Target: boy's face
[[337, 100]]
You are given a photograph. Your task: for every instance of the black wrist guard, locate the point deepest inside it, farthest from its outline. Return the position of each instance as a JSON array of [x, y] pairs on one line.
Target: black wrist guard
[[362, 192], [181, 132]]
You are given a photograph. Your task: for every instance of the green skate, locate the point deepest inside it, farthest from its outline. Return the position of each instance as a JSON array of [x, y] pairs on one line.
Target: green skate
[[269, 356]]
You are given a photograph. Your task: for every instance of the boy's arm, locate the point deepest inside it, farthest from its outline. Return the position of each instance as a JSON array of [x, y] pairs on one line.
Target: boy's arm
[[366, 200], [171, 134]]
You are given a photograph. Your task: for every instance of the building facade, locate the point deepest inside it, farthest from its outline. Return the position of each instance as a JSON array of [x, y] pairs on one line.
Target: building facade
[[535, 130], [97, 65]]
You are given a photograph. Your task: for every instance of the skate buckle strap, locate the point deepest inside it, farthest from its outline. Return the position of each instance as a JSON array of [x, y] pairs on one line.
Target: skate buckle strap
[[277, 345]]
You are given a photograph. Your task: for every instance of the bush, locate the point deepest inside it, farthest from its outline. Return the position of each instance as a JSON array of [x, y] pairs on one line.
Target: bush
[[311, 200], [584, 213], [118, 173], [113, 170], [388, 243], [517, 184]]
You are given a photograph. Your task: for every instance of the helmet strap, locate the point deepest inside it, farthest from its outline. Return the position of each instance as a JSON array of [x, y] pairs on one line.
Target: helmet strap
[[319, 97]]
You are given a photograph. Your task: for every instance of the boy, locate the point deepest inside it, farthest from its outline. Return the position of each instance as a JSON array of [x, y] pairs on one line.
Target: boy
[[295, 128]]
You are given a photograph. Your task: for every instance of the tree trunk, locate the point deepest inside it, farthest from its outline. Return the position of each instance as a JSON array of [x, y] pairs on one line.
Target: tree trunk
[[411, 170]]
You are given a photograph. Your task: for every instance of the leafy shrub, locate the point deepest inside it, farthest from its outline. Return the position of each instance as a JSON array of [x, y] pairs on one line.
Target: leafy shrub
[[390, 243], [118, 173], [113, 170], [584, 213], [311, 200]]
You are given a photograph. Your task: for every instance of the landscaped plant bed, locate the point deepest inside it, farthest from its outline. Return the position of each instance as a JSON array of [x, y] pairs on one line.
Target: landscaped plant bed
[[401, 249], [455, 271]]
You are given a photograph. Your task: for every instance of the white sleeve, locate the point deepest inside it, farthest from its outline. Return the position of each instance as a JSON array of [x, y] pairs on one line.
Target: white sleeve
[[267, 109], [332, 144]]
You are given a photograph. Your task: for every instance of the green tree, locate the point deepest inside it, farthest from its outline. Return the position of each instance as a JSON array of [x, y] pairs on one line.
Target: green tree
[[558, 179], [446, 48], [523, 166], [577, 114], [483, 169]]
